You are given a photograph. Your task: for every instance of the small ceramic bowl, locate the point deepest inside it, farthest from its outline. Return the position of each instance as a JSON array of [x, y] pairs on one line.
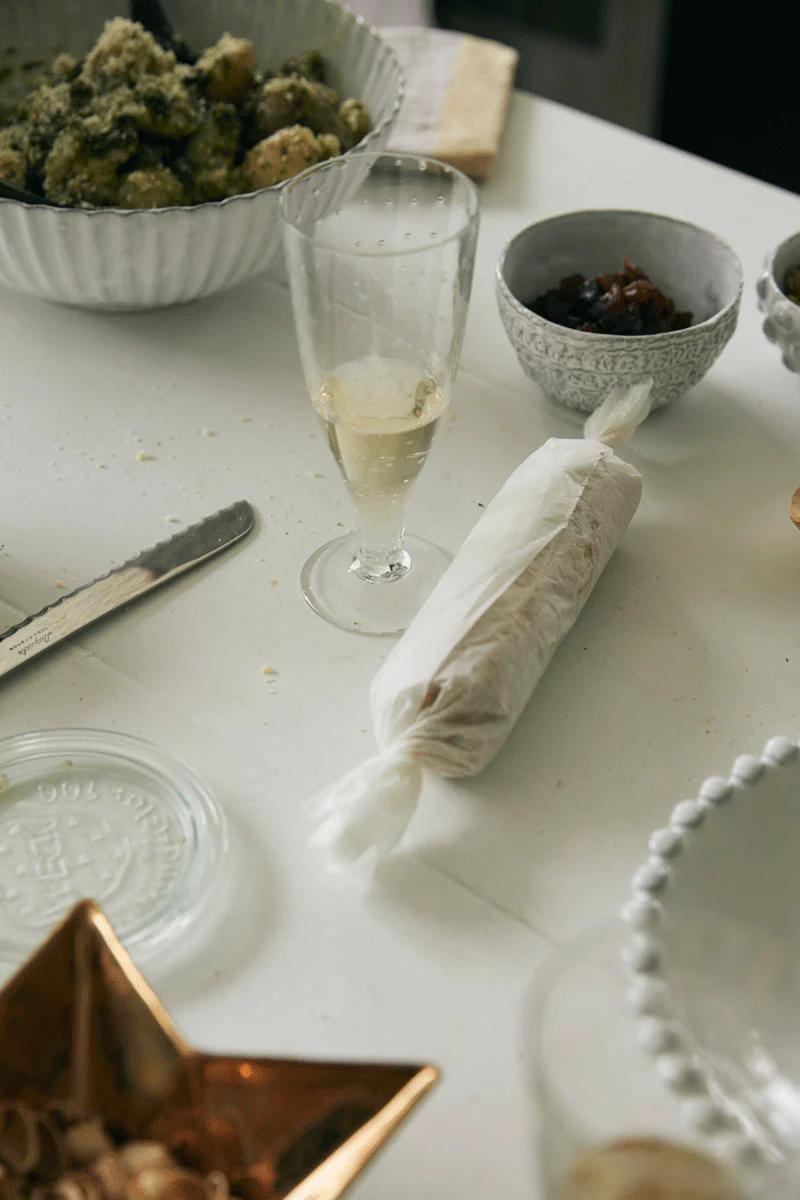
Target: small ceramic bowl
[[781, 315], [696, 268], [714, 951]]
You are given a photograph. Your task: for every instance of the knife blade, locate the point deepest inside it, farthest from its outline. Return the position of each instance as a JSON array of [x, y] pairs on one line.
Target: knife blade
[[117, 587]]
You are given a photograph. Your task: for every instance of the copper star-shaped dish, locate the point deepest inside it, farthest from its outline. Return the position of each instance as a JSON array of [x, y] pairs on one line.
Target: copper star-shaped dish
[[78, 1022]]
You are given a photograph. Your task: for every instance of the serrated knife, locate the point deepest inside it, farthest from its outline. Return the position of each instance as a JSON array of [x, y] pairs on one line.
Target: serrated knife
[[139, 575]]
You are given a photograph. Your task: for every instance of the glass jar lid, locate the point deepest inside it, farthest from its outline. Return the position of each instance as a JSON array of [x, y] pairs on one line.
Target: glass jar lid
[[87, 814]]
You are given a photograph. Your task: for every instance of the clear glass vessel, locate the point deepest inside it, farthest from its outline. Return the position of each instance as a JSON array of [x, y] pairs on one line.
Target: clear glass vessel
[[380, 270]]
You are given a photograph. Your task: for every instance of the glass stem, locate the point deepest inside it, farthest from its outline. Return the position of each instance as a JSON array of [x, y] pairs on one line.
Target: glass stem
[[381, 555]]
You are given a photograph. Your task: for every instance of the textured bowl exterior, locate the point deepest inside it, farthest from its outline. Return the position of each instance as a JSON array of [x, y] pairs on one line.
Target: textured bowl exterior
[[781, 316], [579, 369], [117, 259]]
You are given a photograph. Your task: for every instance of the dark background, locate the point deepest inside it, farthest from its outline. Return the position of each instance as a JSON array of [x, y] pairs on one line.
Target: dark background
[[732, 87], [720, 81]]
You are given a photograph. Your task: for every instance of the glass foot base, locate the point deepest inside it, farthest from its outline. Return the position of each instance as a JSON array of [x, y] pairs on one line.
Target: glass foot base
[[378, 607]]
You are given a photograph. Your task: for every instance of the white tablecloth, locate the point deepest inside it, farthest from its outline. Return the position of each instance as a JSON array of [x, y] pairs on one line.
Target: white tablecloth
[[687, 654]]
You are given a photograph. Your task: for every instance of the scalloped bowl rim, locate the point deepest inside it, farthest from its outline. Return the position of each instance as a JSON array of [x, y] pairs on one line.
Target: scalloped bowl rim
[[364, 144], [642, 341]]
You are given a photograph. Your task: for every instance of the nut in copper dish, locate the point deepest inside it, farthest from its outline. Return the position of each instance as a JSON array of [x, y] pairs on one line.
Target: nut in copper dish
[[101, 1098]]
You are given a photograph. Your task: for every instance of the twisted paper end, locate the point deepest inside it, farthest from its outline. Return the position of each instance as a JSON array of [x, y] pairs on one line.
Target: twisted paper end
[[363, 816], [620, 414]]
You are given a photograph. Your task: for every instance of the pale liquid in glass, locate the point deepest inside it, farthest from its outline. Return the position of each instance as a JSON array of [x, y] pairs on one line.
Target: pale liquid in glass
[[380, 415]]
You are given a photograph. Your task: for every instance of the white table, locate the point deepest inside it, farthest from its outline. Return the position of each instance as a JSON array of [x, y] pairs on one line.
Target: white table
[[687, 654]]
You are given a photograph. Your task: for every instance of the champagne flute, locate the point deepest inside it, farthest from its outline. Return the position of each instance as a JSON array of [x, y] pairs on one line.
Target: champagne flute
[[380, 250]]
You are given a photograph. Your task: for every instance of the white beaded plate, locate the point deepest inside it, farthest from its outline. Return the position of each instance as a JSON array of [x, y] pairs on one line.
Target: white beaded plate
[[714, 954]]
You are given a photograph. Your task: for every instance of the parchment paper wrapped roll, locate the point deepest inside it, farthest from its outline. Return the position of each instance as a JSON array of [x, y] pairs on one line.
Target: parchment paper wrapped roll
[[452, 688]]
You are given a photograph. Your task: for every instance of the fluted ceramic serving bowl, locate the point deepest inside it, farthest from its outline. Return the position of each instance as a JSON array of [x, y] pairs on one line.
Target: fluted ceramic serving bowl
[[781, 315], [118, 259], [714, 950], [697, 269]]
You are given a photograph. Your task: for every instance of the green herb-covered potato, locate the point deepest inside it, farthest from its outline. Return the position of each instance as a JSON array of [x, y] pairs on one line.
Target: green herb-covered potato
[[153, 187], [218, 182], [329, 145], [356, 120], [13, 163], [310, 65], [42, 116], [173, 105], [13, 166], [291, 99], [123, 54], [75, 176], [282, 155], [218, 137], [227, 69]]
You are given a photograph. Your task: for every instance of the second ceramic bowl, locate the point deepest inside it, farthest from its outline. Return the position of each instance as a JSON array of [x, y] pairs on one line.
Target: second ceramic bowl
[[694, 267], [781, 315]]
